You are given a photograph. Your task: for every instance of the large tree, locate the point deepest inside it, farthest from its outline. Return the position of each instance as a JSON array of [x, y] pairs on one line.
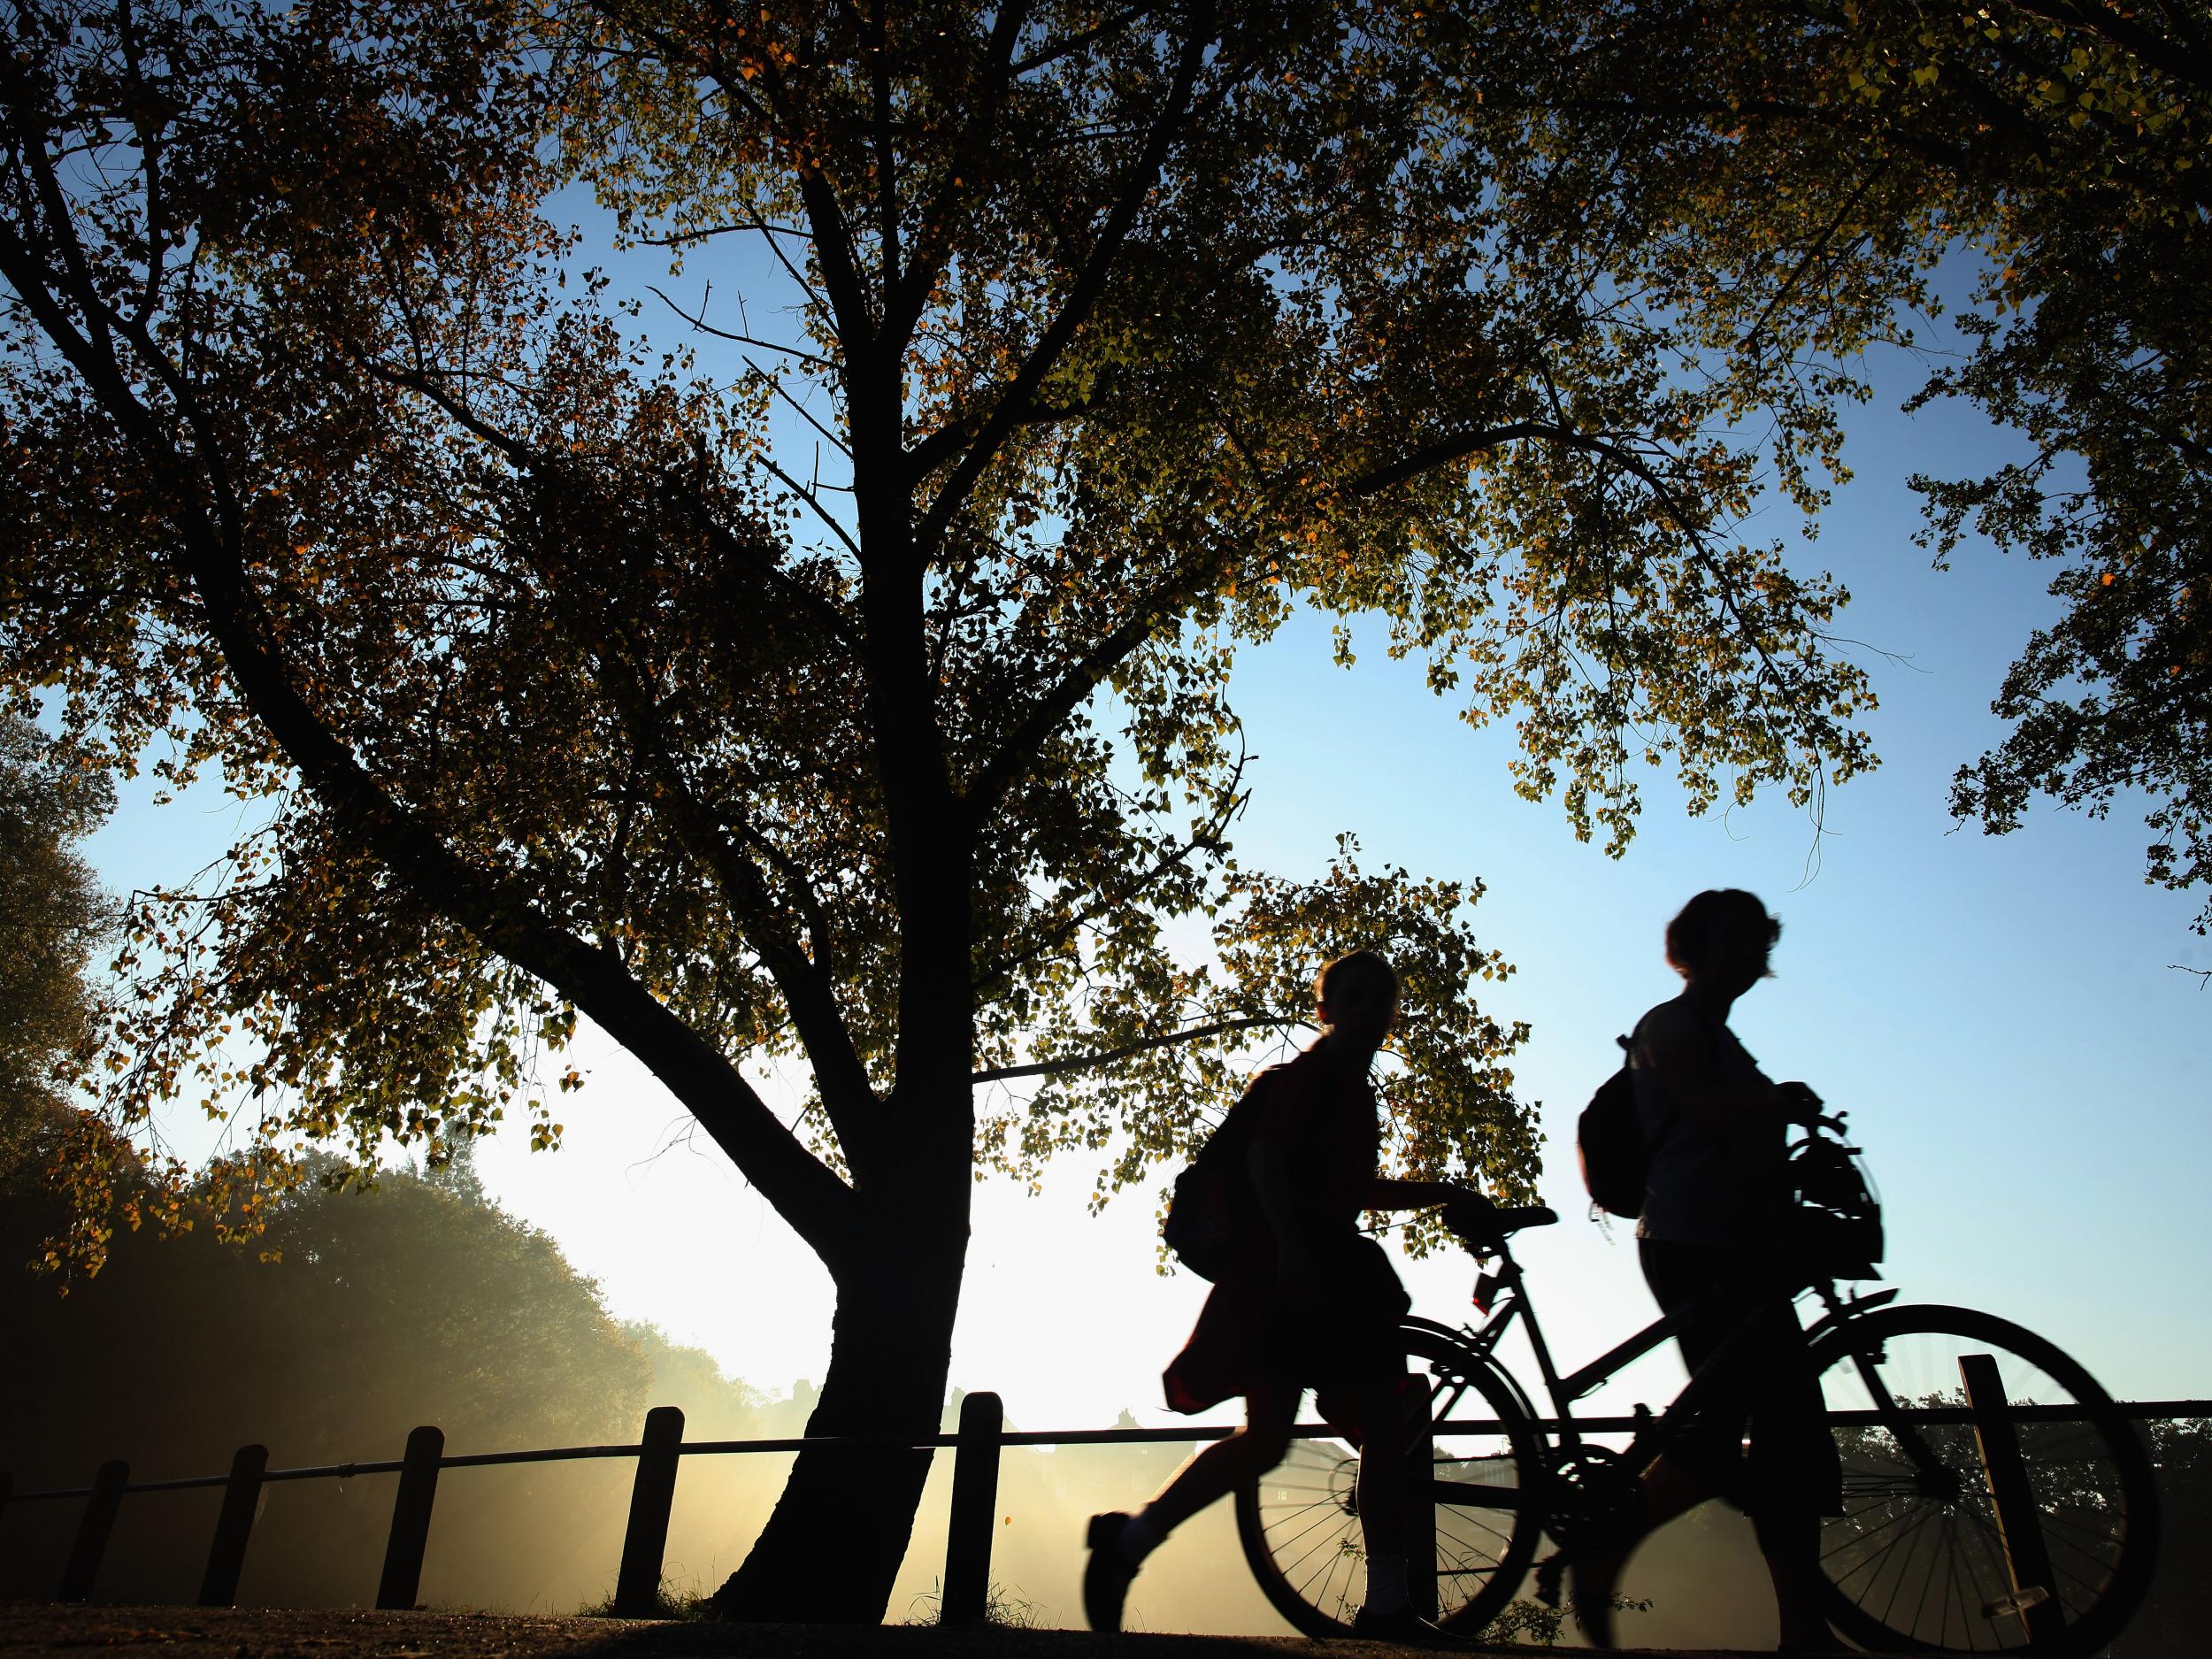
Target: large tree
[[1110, 335]]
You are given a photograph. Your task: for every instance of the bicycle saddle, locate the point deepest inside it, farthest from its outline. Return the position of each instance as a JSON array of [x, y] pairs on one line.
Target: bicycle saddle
[[1526, 1215], [1480, 1222]]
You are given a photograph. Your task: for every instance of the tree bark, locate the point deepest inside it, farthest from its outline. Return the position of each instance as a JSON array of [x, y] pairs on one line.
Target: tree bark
[[840, 1532]]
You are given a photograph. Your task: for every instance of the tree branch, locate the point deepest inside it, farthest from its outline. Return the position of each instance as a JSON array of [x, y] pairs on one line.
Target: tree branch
[[492, 908], [931, 451], [2122, 29], [1090, 282], [994, 974], [904, 299], [700, 323], [1053, 51], [1442, 453], [1130, 1051], [813, 504], [1013, 755]]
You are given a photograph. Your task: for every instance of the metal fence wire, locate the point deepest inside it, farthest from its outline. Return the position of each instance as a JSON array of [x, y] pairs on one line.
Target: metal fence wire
[[976, 1446]]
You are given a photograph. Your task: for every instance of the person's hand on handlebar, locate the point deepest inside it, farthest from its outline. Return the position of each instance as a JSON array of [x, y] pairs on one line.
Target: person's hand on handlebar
[[1799, 1104], [1471, 1215]]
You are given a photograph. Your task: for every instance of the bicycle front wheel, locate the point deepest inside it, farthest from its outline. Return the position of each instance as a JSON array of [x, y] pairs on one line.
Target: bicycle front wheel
[[1935, 1409], [1300, 1523]]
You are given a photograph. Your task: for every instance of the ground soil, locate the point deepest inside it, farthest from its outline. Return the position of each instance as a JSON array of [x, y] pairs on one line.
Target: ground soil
[[36, 1629]]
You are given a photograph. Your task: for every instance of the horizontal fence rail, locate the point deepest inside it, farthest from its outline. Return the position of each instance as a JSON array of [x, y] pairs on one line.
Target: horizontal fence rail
[[977, 1444]]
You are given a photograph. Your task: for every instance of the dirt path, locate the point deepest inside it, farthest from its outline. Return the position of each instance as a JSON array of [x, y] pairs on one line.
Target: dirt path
[[31, 1629]]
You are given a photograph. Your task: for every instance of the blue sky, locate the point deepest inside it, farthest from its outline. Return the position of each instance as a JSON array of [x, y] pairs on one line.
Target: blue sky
[[1997, 1016]]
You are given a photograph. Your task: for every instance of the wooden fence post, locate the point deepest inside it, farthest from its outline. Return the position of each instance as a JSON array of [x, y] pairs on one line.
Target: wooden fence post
[[411, 1519], [974, 1510], [637, 1590], [227, 1555], [92, 1532], [2019, 1525]]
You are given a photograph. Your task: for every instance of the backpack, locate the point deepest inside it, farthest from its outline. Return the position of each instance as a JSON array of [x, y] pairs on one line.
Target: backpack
[[1214, 1223], [1610, 1143], [1610, 1139]]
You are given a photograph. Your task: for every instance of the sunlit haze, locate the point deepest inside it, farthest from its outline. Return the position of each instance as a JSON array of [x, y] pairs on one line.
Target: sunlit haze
[[2000, 1018]]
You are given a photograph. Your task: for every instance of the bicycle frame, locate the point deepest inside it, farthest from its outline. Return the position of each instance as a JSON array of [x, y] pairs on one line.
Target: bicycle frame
[[1504, 1295]]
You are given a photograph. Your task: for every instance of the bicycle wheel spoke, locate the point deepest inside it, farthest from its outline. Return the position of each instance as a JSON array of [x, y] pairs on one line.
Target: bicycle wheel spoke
[[1928, 1582], [1882, 1558], [1995, 1542], [1325, 1574], [1302, 1539], [1896, 1580], [1328, 1517], [1859, 1539], [2104, 1535], [1954, 1590], [1324, 1553], [1459, 1538]]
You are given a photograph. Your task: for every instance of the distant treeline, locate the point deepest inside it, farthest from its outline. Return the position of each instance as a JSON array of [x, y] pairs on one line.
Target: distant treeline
[[355, 1317]]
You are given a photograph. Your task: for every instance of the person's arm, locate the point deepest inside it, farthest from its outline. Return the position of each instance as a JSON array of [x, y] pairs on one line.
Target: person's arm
[[1683, 1052], [1386, 1194]]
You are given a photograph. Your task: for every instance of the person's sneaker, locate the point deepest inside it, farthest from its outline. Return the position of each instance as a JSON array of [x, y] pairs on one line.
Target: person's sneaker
[[1106, 1575], [1405, 1627], [1591, 1581]]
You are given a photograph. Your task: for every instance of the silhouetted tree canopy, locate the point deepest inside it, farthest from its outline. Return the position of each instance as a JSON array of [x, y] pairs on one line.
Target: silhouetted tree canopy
[[2064, 145], [570, 688]]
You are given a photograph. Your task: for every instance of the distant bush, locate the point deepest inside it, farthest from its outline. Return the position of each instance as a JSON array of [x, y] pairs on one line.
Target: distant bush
[[2171, 1625], [355, 1316]]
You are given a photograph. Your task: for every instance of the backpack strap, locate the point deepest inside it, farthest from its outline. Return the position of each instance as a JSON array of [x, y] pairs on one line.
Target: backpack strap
[[1628, 1061], [1713, 1029]]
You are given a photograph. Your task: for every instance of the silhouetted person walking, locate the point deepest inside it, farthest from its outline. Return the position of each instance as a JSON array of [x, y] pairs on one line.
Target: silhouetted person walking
[[1317, 1306], [1715, 1220]]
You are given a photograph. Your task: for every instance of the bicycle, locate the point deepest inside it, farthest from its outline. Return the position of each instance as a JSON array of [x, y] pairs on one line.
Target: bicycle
[[1994, 1499]]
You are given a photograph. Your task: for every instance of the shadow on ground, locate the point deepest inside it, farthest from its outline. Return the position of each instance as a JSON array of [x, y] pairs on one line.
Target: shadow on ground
[[28, 1629]]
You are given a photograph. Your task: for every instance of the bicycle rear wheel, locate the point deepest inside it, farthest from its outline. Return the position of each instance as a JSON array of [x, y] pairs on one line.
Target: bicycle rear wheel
[[1924, 1558], [1300, 1521]]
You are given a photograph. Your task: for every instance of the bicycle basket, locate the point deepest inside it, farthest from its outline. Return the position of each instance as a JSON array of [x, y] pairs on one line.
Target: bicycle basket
[[1838, 1218]]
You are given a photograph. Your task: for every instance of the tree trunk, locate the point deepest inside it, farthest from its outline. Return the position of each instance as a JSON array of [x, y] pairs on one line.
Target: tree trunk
[[840, 1530]]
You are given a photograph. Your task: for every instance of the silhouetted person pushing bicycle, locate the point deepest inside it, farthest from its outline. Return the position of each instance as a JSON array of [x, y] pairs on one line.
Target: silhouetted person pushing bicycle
[[1315, 1305], [1716, 1226]]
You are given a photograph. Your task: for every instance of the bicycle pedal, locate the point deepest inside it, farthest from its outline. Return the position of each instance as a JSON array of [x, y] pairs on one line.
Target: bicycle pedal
[[2019, 1601]]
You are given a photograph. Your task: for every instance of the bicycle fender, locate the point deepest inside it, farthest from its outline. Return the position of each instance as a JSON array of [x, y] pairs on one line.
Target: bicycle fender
[[1486, 1362], [1413, 1321], [1850, 1311]]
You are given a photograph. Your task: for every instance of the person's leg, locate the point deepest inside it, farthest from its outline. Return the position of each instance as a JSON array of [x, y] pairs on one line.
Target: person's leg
[[1386, 1490], [1382, 1468], [1382, 1495], [1795, 1476], [1791, 1544], [1677, 1480], [1119, 1543], [1216, 1471]]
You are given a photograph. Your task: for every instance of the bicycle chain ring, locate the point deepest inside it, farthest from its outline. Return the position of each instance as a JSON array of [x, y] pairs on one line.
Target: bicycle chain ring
[[1596, 1501]]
